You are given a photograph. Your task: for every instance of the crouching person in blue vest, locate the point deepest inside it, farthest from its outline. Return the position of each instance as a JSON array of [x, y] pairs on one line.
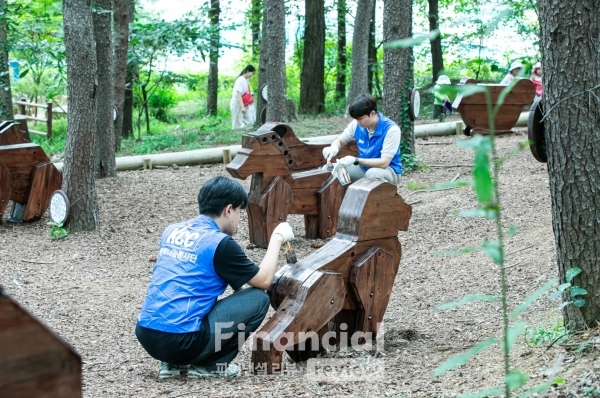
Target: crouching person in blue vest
[[378, 142], [181, 321]]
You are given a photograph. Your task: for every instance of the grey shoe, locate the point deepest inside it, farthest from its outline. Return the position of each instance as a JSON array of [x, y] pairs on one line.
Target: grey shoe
[[168, 370], [197, 371]]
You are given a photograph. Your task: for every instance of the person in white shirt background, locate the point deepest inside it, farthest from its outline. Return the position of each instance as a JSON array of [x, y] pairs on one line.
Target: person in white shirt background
[[515, 69], [242, 102]]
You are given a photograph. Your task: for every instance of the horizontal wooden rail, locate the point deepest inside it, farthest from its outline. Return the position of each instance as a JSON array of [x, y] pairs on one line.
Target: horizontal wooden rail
[[23, 103]]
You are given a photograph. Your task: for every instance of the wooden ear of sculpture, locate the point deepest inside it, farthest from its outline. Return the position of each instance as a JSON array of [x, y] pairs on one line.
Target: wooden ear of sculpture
[[342, 288]]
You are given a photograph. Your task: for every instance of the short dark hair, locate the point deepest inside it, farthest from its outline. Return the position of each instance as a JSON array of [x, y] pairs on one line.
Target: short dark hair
[[363, 105], [248, 68], [217, 193]]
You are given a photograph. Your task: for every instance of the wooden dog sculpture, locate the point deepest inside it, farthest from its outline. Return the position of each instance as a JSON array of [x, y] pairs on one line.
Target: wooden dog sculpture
[[278, 162], [27, 177], [474, 112], [342, 288]]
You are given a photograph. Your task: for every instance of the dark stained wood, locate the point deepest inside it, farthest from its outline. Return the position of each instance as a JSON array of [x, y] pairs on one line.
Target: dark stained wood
[[33, 178], [274, 151], [364, 255], [34, 362], [474, 112], [5, 184], [14, 133]]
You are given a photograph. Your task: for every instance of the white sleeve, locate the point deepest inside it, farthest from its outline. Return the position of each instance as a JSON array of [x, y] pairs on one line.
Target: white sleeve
[[240, 86], [348, 134], [391, 142]]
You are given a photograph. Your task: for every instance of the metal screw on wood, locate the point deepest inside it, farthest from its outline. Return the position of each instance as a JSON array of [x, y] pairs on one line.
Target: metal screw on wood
[[370, 317], [371, 294], [331, 301]]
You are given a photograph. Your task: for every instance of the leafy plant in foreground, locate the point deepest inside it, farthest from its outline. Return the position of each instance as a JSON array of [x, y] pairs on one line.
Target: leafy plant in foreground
[[57, 231]]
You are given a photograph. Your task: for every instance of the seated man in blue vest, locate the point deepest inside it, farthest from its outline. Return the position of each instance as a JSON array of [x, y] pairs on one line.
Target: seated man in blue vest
[[181, 322], [378, 142]]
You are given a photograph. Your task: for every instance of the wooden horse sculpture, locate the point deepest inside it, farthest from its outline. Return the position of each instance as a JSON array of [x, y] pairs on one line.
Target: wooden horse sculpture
[[14, 132], [473, 108], [342, 288], [283, 182], [34, 362], [27, 177]]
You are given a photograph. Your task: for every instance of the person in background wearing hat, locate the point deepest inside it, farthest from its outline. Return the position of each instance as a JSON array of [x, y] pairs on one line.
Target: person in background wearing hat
[[515, 69], [440, 100], [536, 79]]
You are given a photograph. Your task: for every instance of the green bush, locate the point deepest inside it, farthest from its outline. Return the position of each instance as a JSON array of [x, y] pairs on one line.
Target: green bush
[[162, 100]]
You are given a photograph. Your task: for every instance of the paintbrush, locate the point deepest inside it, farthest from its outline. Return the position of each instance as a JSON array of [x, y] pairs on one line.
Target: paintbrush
[[290, 254]]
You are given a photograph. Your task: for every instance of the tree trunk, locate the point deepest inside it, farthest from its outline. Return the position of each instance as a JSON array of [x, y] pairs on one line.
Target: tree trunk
[[340, 83], [274, 37], [312, 79], [372, 51], [78, 170], [121, 18], [213, 65], [6, 107], [262, 74], [255, 21], [437, 60], [359, 83], [398, 66], [130, 77], [105, 137], [569, 42]]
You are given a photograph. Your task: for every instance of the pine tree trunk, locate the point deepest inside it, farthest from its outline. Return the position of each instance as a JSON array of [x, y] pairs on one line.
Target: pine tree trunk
[[359, 83], [312, 79], [121, 18], [372, 52], [262, 74], [6, 107], [340, 83], [130, 77], [437, 60], [213, 66], [274, 36], [255, 21], [398, 66], [78, 170], [569, 42], [105, 136]]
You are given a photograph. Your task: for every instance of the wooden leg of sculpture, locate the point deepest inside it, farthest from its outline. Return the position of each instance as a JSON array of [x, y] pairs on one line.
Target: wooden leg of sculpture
[[306, 309], [268, 208], [45, 180], [329, 199], [5, 184]]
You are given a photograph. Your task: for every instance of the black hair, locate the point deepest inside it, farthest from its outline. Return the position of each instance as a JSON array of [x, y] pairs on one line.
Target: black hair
[[248, 68], [217, 193], [363, 105]]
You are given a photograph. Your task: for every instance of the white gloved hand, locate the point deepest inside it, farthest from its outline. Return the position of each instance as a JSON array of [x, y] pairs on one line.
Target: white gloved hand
[[345, 161], [329, 152], [285, 231]]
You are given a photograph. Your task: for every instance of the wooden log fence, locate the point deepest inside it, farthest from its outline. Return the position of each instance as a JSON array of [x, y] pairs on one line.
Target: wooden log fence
[[23, 105]]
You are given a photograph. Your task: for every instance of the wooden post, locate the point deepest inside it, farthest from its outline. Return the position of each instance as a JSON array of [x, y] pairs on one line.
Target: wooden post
[[22, 107], [226, 156], [147, 163], [49, 121]]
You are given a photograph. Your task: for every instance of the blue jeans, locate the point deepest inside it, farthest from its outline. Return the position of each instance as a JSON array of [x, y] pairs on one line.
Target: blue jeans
[[223, 332]]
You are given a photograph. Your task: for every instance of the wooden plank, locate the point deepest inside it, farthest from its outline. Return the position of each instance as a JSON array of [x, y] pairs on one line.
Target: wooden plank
[[21, 102], [304, 202], [37, 132], [21, 159], [329, 198], [5, 188], [37, 119], [45, 180]]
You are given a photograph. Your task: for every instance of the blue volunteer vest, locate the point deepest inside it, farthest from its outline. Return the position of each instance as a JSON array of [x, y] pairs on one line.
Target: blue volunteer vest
[[370, 148], [184, 285]]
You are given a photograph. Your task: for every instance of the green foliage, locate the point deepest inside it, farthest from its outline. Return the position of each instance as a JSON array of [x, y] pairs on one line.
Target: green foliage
[[572, 292], [163, 100], [57, 231], [547, 333], [410, 162]]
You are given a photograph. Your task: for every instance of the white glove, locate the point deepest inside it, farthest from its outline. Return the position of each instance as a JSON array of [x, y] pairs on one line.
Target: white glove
[[345, 161], [285, 231], [329, 152]]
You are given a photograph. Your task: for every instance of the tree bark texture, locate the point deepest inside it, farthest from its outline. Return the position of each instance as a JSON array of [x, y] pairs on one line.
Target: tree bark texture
[[274, 37], [262, 74], [570, 37], [78, 171], [213, 56], [105, 136], [359, 83], [6, 107], [340, 83], [372, 52], [130, 77], [312, 79], [398, 67], [437, 60], [255, 22], [121, 19]]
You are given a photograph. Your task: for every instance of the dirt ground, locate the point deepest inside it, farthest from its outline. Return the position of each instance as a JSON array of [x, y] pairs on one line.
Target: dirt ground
[[88, 287]]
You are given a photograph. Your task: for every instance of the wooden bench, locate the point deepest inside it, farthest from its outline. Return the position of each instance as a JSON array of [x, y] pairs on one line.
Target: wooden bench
[[27, 177], [342, 288], [14, 132], [473, 108], [285, 181], [34, 362], [23, 105]]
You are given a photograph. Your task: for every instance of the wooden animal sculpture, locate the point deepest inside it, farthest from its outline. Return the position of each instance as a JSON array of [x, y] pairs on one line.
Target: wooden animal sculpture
[[12, 132], [283, 182], [34, 362], [27, 177], [474, 112], [342, 288]]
